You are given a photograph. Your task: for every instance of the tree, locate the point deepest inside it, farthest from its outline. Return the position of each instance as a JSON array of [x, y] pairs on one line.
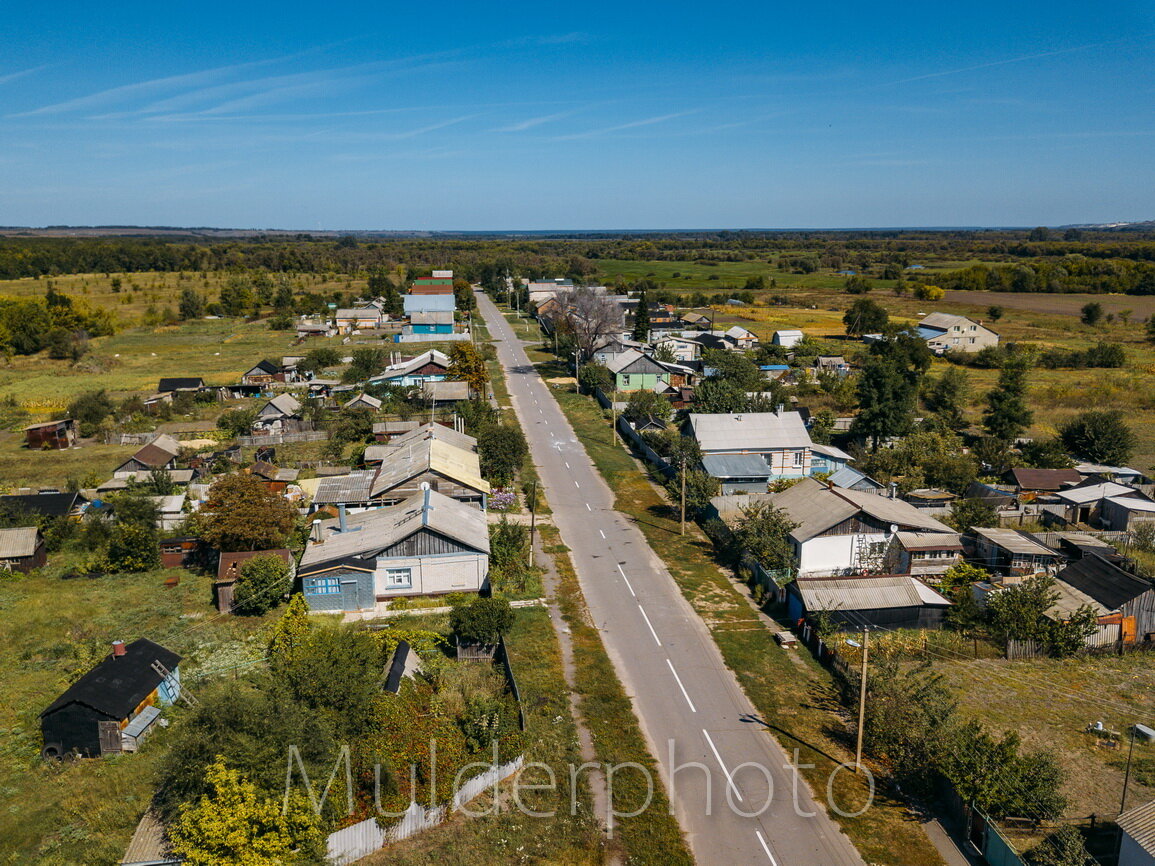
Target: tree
[[590, 317], [1064, 847], [319, 359], [1007, 416], [734, 368], [232, 824], [995, 312], [948, 395], [192, 304], [966, 514], [960, 577], [665, 354], [856, 284], [865, 317], [647, 404], [929, 293], [467, 364], [1092, 313], [700, 486], [642, 318], [90, 409], [597, 376], [1099, 437], [262, 584], [133, 548], [242, 514], [763, 531], [482, 620], [501, 451], [888, 387], [1046, 454], [1041, 233], [290, 633], [137, 507], [237, 422]]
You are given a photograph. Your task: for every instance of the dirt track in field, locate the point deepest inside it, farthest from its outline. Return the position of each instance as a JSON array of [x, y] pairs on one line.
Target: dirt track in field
[[1141, 306]]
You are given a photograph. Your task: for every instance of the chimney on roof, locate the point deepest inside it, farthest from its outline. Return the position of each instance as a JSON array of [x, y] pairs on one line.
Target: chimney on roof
[[893, 490], [341, 516], [118, 649], [315, 533], [780, 408]]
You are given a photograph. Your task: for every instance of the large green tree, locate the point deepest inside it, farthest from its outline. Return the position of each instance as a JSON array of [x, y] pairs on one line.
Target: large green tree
[[947, 397], [1099, 437], [865, 316], [763, 531], [263, 583], [242, 514], [888, 387], [1007, 415], [642, 318]]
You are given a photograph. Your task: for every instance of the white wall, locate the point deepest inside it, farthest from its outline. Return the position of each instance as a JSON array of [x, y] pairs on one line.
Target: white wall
[[832, 554], [464, 572]]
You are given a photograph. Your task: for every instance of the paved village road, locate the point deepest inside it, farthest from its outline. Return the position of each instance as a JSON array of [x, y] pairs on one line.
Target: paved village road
[[692, 711]]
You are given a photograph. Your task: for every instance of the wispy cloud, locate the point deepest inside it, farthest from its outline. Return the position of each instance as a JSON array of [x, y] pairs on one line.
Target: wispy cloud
[[530, 123], [14, 76], [1024, 58], [621, 127]]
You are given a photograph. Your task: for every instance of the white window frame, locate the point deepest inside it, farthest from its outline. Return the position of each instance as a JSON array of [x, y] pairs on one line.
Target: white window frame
[[798, 458], [398, 578]]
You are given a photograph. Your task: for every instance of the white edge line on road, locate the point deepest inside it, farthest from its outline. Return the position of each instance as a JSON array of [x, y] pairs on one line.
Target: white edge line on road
[[766, 847], [718, 758], [566, 464], [575, 484], [602, 534], [628, 584], [657, 640], [588, 507], [685, 694]]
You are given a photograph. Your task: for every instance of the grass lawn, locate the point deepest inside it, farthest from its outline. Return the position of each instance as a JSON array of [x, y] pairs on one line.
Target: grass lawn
[[53, 630]]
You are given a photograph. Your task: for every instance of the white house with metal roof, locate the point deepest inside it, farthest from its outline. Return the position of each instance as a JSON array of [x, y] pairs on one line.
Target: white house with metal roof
[[946, 332], [429, 544], [779, 438]]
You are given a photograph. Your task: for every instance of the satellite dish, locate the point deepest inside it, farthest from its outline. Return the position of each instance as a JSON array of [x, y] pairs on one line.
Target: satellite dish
[[424, 485], [893, 528]]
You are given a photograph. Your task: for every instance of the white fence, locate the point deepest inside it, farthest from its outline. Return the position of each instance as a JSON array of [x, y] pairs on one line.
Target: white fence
[[360, 840]]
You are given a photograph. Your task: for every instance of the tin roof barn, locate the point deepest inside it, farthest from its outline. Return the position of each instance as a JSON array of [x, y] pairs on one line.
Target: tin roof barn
[[888, 601]]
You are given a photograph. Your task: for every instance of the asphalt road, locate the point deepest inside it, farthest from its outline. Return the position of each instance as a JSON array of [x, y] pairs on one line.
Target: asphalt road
[[735, 793]]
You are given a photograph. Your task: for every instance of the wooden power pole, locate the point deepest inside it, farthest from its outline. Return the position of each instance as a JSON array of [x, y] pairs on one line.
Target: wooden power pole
[[532, 519], [862, 698], [683, 495]]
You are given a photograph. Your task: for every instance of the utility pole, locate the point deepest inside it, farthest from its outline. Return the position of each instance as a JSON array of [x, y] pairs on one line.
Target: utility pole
[[577, 368], [532, 519], [1127, 774], [683, 494], [862, 698]]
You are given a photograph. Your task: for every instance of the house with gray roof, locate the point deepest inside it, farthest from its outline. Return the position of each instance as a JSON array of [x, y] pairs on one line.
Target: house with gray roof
[[840, 532], [22, 549], [429, 544], [883, 601], [778, 438], [275, 414], [946, 332]]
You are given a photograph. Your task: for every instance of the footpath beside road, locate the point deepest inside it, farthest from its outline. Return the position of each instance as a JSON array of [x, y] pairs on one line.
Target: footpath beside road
[[733, 788]]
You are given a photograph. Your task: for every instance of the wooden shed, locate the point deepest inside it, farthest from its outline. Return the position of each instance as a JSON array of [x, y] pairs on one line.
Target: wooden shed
[[112, 707], [51, 434], [22, 549]]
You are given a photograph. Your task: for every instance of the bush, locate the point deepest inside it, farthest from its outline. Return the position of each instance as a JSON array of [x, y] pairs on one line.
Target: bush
[[133, 548], [262, 585], [1099, 437], [483, 620]]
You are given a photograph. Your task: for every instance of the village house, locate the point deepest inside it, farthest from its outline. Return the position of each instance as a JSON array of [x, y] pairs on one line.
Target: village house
[[440, 303], [278, 414], [445, 393], [51, 434], [160, 453], [779, 438], [882, 601], [429, 322], [1013, 553], [180, 552], [1121, 599], [275, 479], [614, 345], [428, 544], [738, 473], [787, 339], [1085, 504], [44, 504], [849, 478], [114, 706], [1032, 482], [683, 349], [431, 366], [634, 371], [924, 554], [264, 373], [829, 364], [314, 329], [946, 332], [742, 337], [22, 549], [694, 319], [180, 385], [229, 568], [358, 318], [363, 401], [827, 458], [179, 477], [1137, 837], [842, 531]]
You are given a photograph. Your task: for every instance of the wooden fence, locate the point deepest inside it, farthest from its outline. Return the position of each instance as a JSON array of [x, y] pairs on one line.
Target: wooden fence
[[360, 840], [284, 438]]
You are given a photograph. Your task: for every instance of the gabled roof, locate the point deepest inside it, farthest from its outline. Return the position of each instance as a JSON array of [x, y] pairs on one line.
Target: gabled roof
[[415, 303], [946, 321], [48, 504], [365, 400], [156, 454], [285, 405], [264, 366], [450, 389], [1044, 479], [737, 332], [431, 317], [399, 371], [1139, 824], [227, 561], [118, 685], [1095, 492], [736, 466], [868, 593], [430, 454], [352, 488], [1016, 542], [929, 540], [1108, 584], [628, 358], [433, 431], [180, 383], [784, 332], [815, 507], [370, 532], [847, 476], [829, 451], [19, 542], [1132, 503], [749, 431]]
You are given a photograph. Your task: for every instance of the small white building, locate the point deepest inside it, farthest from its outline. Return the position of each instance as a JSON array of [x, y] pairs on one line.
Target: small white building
[[787, 339]]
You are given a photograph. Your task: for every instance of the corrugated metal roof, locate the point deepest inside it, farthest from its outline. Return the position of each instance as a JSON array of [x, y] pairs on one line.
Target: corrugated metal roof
[[399, 371], [411, 459], [847, 476], [383, 527], [433, 431], [1139, 824], [367, 400], [830, 451], [929, 540], [868, 593], [426, 303], [1132, 503], [350, 489], [18, 542], [282, 404], [1015, 542], [431, 317], [749, 431], [447, 390], [1045, 479], [1095, 492], [736, 466], [816, 508], [1103, 581]]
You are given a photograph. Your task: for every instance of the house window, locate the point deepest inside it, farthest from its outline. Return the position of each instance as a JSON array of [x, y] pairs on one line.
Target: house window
[[797, 459], [398, 578], [322, 586], [625, 378]]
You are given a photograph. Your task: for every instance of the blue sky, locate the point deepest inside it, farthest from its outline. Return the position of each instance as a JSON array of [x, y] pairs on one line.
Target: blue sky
[[540, 116]]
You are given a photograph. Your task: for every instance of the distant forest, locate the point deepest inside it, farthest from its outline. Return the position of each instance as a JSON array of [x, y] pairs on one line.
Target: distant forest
[[1041, 260]]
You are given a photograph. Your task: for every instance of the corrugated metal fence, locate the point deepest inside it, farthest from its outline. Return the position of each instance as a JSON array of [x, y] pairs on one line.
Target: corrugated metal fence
[[360, 840]]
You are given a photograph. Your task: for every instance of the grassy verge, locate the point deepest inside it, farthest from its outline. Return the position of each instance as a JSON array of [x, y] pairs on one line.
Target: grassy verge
[[652, 836], [510, 836]]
